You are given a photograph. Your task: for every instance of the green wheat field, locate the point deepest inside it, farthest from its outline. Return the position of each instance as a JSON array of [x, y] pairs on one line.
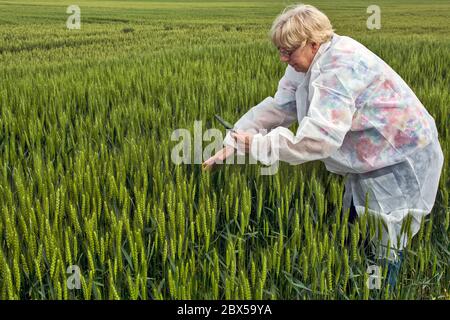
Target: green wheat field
[[86, 177]]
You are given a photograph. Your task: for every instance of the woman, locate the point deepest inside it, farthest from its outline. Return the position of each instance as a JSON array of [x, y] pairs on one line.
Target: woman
[[355, 114]]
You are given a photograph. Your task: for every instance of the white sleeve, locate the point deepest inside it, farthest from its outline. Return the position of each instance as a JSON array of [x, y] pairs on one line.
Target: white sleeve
[[322, 131], [271, 112]]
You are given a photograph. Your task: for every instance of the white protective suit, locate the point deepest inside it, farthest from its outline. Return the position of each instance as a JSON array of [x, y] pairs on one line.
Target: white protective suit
[[363, 121]]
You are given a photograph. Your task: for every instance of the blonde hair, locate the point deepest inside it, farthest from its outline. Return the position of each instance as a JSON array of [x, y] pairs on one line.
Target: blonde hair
[[298, 25]]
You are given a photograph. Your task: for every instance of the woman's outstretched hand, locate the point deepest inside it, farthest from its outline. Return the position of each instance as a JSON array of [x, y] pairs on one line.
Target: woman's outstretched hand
[[219, 157]]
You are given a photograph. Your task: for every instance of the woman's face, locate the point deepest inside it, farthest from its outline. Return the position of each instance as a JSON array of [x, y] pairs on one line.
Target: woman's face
[[300, 59]]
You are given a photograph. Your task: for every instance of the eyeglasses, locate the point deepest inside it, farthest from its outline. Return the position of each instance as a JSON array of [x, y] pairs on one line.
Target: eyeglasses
[[287, 53]]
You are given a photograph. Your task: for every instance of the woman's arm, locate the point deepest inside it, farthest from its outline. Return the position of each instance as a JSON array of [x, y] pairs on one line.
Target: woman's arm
[[271, 112], [322, 131]]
